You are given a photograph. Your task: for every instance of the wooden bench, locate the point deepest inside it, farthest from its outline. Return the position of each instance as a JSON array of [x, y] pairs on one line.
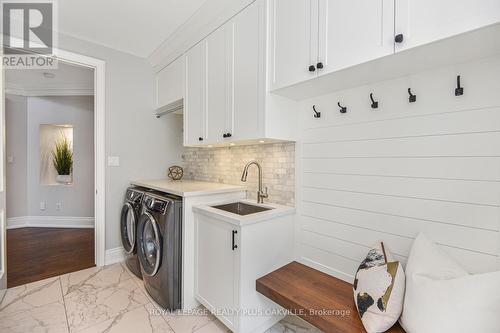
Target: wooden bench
[[320, 299]]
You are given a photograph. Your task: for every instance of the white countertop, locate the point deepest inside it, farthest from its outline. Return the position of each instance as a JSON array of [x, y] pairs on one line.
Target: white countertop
[[241, 220], [187, 188]]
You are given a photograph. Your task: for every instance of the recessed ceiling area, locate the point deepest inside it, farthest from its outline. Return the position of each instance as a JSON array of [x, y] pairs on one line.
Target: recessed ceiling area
[[135, 27], [67, 79]]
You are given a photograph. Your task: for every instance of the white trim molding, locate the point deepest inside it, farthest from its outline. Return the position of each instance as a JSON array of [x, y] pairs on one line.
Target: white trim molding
[[50, 222], [66, 90], [115, 255], [99, 67]]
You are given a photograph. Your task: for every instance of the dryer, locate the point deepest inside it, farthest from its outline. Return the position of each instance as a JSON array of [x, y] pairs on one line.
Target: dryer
[[128, 226], [159, 239]]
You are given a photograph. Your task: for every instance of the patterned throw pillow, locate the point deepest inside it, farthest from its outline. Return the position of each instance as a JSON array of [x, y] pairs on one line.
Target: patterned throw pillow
[[379, 288]]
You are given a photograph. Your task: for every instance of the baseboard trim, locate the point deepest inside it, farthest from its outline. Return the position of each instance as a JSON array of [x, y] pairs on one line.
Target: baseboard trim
[[114, 256], [50, 222]]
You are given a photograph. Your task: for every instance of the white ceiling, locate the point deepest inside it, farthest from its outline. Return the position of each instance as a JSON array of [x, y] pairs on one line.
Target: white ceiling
[[67, 78], [133, 26]]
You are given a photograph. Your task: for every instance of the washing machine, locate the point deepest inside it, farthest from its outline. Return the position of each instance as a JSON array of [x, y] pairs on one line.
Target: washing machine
[[131, 211], [159, 239]]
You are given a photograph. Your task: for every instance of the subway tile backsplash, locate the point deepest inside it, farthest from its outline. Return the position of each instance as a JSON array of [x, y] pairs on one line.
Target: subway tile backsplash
[[226, 165]]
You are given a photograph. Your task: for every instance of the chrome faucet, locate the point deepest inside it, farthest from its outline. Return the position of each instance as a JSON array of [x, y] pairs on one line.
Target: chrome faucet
[[260, 194]]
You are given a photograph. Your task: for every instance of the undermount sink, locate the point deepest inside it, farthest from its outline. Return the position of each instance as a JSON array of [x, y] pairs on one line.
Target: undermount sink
[[241, 208]]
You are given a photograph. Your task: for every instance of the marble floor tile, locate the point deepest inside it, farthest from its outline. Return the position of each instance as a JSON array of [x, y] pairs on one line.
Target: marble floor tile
[[47, 318], [96, 295], [293, 324], [214, 326], [143, 319], [31, 296], [107, 299], [93, 278], [140, 283], [186, 323]]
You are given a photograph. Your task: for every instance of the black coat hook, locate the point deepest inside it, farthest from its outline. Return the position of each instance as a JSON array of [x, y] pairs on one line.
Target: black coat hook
[[316, 113], [374, 103], [412, 98], [459, 91], [343, 109]]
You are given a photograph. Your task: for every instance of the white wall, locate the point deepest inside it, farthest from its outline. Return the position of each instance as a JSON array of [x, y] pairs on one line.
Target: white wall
[[146, 146], [77, 199], [16, 123], [387, 174]]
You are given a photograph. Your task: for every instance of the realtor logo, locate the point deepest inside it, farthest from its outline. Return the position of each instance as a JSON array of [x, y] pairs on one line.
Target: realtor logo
[[28, 30]]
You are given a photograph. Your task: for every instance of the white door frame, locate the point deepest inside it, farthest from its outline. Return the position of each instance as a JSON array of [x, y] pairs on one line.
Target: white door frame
[[99, 151], [99, 67]]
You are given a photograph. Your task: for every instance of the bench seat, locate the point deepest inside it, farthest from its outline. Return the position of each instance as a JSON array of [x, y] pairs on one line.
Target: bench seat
[[320, 299]]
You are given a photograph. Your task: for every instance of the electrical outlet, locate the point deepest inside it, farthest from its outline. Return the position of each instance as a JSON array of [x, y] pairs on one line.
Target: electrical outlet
[[58, 206], [10, 159], [43, 205]]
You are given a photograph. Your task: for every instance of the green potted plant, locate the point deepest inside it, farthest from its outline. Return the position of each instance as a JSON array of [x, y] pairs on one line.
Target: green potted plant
[[62, 158]]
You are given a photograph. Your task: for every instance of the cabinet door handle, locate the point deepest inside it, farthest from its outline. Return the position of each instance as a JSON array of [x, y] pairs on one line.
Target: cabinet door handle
[[234, 246], [399, 38], [224, 135], [312, 68], [200, 139], [319, 65], [228, 135]]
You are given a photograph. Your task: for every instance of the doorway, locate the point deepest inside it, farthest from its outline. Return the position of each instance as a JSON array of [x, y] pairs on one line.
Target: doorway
[[63, 214]]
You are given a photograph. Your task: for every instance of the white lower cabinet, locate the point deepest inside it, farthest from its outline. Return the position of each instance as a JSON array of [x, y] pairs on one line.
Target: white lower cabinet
[[217, 266], [229, 258]]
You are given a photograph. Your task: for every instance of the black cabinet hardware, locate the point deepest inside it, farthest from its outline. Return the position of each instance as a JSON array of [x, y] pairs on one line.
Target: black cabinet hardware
[[374, 103], [412, 98], [312, 68], [234, 242], [224, 135], [343, 109], [319, 65], [228, 135], [399, 38], [459, 91], [316, 113], [200, 139]]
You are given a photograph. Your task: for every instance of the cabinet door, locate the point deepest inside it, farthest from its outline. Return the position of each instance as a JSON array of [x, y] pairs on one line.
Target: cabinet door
[[353, 32], [216, 264], [424, 21], [219, 83], [249, 71], [170, 83], [194, 103], [294, 41]]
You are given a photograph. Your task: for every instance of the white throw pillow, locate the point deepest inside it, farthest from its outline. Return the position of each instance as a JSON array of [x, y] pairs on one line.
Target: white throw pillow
[[441, 297], [379, 290]]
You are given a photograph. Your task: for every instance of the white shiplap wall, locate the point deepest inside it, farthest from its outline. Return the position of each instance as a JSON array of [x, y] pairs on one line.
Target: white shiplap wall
[[387, 174]]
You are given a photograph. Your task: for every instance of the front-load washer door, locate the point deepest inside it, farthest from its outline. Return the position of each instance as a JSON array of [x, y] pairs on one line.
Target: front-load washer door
[[149, 239], [128, 225]]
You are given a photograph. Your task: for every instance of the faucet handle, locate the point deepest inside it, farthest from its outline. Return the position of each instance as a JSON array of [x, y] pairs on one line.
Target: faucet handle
[[265, 195]]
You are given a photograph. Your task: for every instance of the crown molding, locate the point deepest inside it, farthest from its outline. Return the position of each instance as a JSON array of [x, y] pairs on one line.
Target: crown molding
[[204, 21], [66, 90]]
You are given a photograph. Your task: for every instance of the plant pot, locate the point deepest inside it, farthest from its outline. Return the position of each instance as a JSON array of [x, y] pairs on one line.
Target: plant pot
[[63, 179]]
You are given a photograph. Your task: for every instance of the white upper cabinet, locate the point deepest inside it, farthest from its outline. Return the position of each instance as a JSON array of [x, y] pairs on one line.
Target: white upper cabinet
[[352, 32], [294, 41], [195, 95], [219, 84], [249, 72], [169, 83], [424, 21]]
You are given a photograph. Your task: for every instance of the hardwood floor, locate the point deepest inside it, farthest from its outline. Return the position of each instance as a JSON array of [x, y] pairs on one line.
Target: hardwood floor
[[34, 254]]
